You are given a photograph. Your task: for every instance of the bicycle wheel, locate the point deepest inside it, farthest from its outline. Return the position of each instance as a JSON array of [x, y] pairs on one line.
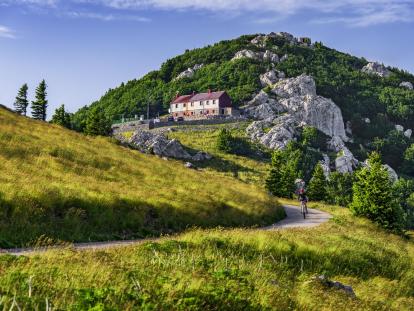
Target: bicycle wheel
[[302, 209]]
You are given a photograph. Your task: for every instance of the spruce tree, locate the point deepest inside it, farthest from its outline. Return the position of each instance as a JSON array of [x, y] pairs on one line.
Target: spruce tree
[[21, 102], [39, 105], [225, 141], [317, 185], [61, 117], [97, 123], [373, 195], [281, 179]]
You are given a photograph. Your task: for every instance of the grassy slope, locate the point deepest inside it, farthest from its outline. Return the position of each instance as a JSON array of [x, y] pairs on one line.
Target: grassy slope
[[70, 187], [249, 168], [226, 270]]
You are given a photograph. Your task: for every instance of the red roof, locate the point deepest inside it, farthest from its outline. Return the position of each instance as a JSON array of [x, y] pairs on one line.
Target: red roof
[[198, 97], [182, 99]]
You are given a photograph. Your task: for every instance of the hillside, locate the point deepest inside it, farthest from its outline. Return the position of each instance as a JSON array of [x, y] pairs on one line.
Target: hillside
[[371, 105], [59, 185], [226, 270]]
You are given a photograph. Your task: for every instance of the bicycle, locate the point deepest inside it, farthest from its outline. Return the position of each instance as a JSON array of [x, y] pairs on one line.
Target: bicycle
[[303, 209]]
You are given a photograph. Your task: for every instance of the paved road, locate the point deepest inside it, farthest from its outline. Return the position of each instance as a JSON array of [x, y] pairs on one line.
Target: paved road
[[294, 219]]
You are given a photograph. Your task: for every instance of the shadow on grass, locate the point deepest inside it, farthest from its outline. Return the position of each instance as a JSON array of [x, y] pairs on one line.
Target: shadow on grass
[[24, 219]]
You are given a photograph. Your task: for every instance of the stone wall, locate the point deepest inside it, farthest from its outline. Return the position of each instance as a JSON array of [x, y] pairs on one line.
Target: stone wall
[[139, 125]]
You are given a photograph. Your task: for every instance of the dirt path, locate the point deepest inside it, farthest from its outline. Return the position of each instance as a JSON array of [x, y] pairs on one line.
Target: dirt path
[[294, 219]]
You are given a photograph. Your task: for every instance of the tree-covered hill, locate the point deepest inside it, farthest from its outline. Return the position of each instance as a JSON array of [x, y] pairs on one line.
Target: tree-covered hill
[[338, 76]]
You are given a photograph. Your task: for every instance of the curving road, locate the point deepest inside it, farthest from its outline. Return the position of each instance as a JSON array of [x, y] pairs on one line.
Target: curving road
[[294, 219]]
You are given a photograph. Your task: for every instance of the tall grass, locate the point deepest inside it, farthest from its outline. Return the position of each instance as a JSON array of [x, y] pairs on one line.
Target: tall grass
[[62, 185], [225, 270]]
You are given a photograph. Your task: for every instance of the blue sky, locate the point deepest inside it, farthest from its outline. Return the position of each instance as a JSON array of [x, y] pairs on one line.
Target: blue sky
[[84, 47]]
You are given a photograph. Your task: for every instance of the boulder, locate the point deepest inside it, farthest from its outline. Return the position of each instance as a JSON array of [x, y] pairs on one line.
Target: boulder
[[399, 128], [408, 133], [269, 56], [158, 144], [189, 165], [407, 85], [189, 73], [335, 284], [376, 69], [202, 156], [246, 54], [271, 77], [367, 120], [284, 57]]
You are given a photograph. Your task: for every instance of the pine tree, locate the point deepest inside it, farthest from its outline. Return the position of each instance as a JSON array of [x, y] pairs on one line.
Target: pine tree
[[39, 105], [373, 195], [317, 185], [97, 123], [61, 117], [21, 101], [281, 179]]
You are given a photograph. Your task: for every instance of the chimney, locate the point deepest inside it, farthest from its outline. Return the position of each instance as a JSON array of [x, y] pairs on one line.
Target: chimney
[[209, 91]]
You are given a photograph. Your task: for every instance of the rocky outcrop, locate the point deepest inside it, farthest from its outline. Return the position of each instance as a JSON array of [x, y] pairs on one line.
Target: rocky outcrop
[[295, 98], [345, 161], [326, 165], [259, 56], [271, 77], [298, 96], [275, 134], [376, 69], [407, 85], [158, 144], [262, 107], [189, 73], [287, 36]]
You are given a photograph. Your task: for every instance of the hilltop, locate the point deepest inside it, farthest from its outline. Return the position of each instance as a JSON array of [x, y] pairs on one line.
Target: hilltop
[[60, 185], [376, 102]]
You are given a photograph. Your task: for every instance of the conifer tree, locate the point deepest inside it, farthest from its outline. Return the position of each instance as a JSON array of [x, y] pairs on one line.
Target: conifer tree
[[224, 141], [317, 184], [373, 195], [61, 117], [97, 123], [39, 105], [21, 102], [281, 179]]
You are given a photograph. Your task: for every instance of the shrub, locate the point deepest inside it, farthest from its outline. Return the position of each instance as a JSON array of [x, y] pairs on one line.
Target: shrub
[[317, 185]]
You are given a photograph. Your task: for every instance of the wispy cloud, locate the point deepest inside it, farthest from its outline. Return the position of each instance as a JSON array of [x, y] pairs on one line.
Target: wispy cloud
[[352, 12], [6, 32], [357, 13]]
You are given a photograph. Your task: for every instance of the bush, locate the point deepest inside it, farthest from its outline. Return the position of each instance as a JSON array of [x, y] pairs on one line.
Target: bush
[[339, 188], [317, 185]]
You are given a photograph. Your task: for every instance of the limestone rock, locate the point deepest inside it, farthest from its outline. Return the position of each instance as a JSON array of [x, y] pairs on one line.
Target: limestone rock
[[282, 130], [407, 85], [271, 77], [189, 165], [298, 86], [189, 73], [262, 107], [408, 133], [399, 128], [260, 56], [160, 145], [348, 128], [376, 69], [345, 161], [284, 57], [260, 41], [287, 36], [367, 120], [298, 96], [202, 156], [326, 165]]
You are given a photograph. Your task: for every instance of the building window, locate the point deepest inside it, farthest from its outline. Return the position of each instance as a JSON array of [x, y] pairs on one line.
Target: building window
[[192, 104], [176, 105], [213, 111], [222, 111], [184, 105]]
